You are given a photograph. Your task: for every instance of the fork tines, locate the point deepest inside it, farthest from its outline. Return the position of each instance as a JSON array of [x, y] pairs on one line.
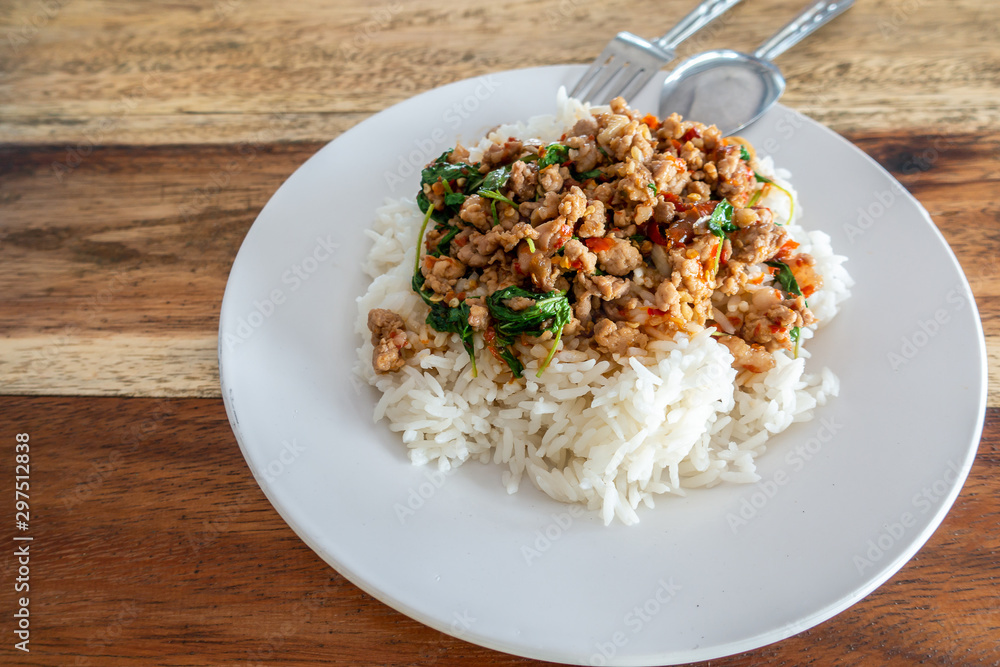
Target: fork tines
[[627, 64]]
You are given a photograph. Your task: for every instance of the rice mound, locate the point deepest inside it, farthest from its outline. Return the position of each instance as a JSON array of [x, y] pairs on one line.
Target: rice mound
[[609, 433]]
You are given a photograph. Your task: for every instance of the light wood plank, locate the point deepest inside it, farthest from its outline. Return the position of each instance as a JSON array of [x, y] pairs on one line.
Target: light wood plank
[[160, 74], [70, 364]]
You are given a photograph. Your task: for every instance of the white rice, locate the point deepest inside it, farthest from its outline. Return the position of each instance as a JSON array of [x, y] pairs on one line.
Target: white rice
[[609, 434]]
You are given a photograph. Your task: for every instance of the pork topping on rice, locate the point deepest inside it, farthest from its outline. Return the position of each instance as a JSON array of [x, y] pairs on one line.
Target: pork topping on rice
[[628, 229]]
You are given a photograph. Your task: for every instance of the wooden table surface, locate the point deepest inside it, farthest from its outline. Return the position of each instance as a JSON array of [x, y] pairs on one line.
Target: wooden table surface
[[139, 140]]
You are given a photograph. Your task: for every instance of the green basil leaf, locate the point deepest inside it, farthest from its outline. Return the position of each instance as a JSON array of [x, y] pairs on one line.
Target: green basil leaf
[[496, 179], [444, 243], [454, 199], [553, 154], [454, 320], [550, 312], [785, 277]]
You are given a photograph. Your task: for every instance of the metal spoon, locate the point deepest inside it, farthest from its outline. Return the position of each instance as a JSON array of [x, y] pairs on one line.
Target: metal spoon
[[731, 89]]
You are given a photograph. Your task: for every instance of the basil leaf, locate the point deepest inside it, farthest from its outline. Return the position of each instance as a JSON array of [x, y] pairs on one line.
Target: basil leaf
[[444, 243], [785, 277], [720, 223], [454, 320], [441, 170], [722, 220], [418, 280], [553, 154], [744, 153], [593, 173], [496, 179], [550, 312], [515, 365]]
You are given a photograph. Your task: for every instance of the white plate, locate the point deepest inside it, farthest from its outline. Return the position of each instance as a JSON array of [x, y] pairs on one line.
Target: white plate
[[844, 502]]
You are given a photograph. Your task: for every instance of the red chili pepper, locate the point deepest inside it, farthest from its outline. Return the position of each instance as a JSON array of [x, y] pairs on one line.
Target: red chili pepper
[[691, 134], [490, 338], [705, 208], [786, 250], [602, 244], [564, 234], [653, 232], [676, 236]]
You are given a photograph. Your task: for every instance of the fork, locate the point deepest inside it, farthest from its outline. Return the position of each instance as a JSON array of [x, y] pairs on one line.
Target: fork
[[628, 61]]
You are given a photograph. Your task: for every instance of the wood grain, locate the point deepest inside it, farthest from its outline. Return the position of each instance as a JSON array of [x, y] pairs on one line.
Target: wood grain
[[138, 142], [116, 289], [185, 71], [180, 558]]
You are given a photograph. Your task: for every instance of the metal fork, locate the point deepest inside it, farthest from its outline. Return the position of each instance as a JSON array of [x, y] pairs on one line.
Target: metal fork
[[628, 61]]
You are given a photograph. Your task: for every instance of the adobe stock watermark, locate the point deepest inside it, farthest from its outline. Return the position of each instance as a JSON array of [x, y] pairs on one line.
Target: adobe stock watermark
[[795, 460], [417, 497], [276, 467], [292, 278], [922, 502], [900, 13], [461, 623], [635, 620], [926, 330], [552, 532], [226, 8], [379, 19], [28, 30], [431, 146], [562, 10]]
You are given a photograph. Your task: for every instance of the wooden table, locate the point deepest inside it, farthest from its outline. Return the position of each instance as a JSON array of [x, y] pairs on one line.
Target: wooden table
[[138, 141]]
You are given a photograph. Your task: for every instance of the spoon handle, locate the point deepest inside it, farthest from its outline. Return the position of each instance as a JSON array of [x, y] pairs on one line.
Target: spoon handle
[[700, 16], [814, 16]]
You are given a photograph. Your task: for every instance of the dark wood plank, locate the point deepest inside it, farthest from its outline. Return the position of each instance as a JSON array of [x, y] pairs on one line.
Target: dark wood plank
[[154, 544]]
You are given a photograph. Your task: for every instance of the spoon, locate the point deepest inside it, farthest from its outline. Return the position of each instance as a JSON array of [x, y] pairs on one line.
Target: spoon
[[730, 89]]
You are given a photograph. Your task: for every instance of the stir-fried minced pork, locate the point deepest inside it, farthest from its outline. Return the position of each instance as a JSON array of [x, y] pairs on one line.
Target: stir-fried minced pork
[[628, 229], [389, 338]]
